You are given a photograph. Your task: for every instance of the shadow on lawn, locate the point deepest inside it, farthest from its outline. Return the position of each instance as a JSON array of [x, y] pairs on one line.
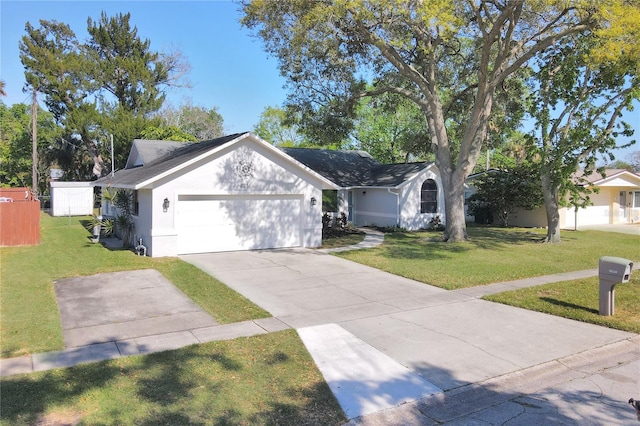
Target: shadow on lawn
[[569, 305], [417, 245], [199, 384], [25, 399]]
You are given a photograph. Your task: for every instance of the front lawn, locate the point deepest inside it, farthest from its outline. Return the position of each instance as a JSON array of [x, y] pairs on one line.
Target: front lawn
[[266, 379], [579, 300], [28, 308], [492, 255]]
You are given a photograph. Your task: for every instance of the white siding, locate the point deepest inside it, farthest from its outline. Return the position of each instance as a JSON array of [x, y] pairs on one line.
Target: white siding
[[374, 207], [410, 216]]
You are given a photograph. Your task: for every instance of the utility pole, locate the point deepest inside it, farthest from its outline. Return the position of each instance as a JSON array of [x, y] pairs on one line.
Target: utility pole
[[112, 162], [34, 140]]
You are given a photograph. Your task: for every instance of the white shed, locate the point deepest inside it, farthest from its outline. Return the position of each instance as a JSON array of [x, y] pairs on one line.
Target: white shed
[[71, 198]]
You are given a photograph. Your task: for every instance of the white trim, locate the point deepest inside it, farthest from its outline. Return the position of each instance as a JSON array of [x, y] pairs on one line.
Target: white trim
[[63, 184], [227, 146], [616, 175]]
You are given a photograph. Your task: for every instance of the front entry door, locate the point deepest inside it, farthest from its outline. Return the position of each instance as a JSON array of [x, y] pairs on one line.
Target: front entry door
[[623, 207]]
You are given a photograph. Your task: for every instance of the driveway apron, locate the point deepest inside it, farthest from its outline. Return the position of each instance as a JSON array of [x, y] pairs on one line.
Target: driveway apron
[[124, 305], [448, 339]]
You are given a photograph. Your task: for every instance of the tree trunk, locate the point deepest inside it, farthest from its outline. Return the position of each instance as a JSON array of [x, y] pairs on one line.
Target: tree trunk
[[552, 208], [455, 224], [456, 229], [452, 179]]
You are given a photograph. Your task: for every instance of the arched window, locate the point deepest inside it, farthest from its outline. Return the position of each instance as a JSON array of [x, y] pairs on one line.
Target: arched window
[[429, 197]]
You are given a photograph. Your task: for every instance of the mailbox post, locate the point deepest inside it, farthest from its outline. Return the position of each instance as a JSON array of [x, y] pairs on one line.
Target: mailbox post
[[611, 271]]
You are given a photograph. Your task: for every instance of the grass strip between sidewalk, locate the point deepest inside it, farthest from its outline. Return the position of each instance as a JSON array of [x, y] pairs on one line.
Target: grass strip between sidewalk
[[579, 300]]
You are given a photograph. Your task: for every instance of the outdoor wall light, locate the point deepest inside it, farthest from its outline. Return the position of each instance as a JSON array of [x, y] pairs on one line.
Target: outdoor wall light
[[364, 192], [313, 201], [165, 205]]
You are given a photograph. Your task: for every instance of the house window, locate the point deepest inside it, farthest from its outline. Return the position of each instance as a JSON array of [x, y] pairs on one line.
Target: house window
[[429, 197], [636, 199]]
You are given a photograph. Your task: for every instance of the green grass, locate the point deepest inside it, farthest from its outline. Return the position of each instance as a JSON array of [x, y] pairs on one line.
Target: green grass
[[28, 309], [267, 379], [492, 255], [579, 300]]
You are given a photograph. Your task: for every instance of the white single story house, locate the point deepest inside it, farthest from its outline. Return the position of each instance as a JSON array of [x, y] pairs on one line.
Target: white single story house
[[239, 192], [617, 201], [71, 198]]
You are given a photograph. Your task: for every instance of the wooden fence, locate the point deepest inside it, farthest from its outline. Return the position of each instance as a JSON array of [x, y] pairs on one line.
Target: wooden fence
[[19, 217]]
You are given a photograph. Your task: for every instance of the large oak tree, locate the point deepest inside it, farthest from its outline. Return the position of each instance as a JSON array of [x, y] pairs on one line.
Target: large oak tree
[[446, 55]]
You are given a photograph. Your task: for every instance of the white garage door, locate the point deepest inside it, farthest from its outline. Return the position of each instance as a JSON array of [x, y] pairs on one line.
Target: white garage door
[[226, 223]]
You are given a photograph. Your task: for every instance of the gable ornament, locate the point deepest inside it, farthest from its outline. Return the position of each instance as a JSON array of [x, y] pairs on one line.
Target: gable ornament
[[244, 167]]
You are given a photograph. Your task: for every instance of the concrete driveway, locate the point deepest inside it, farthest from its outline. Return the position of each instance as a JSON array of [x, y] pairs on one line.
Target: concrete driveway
[[448, 339], [620, 228]]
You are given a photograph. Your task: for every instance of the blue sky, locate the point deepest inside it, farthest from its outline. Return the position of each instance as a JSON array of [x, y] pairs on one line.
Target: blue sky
[[229, 68]]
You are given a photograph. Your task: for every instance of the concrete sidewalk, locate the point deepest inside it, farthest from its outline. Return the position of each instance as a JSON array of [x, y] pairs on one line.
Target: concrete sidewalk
[[137, 346], [372, 239]]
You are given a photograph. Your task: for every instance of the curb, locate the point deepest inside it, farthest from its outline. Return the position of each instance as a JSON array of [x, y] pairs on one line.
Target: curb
[[457, 404]]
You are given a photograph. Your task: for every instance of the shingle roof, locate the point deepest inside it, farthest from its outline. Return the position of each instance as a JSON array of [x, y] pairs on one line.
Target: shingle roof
[[597, 177], [150, 150], [170, 160], [392, 175], [354, 168], [344, 168]]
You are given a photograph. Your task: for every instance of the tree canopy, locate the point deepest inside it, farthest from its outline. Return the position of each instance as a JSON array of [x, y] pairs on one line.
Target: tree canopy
[[576, 105], [109, 84], [273, 126], [503, 192], [392, 129], [16, 145], [450, 58]]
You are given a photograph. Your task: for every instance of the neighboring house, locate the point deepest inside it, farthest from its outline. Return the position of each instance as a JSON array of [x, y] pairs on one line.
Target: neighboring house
[[617, 201], [407, 195], [239, 192]]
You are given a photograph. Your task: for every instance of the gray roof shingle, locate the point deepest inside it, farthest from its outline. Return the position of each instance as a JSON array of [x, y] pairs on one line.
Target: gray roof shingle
[[129, 178], [150, 150], [354, 168]]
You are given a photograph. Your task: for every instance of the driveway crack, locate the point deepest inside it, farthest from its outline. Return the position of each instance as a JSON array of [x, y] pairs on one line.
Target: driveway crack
[[452, 336]]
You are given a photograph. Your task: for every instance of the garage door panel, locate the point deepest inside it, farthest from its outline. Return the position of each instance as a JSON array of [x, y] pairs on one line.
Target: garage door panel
[[593, 215], [234, 223]]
